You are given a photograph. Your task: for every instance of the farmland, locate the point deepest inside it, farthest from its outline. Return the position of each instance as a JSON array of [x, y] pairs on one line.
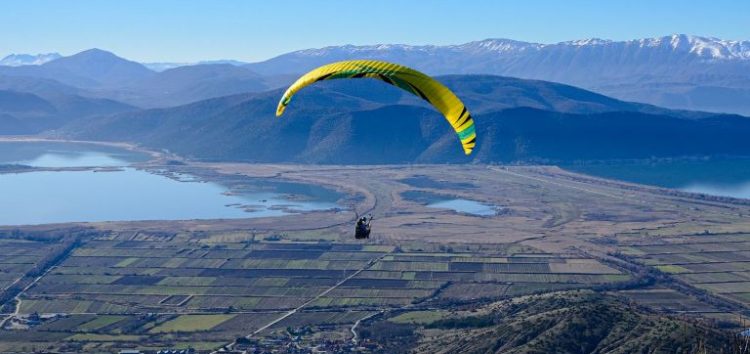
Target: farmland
[[205, 283], [718, 264], [168, 291], [18, 256]]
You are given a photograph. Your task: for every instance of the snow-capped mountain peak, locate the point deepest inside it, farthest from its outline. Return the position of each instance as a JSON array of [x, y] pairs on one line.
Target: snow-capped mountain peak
[[28, 59], [700, 46], [586, 42], [499, 45]]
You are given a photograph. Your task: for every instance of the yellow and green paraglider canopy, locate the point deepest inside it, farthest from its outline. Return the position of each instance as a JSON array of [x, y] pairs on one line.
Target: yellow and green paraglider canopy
[[400, 76]]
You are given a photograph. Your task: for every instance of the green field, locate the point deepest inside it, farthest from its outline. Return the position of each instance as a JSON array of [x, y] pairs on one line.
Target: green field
[[420, 317], [191, 323], [100, 322]]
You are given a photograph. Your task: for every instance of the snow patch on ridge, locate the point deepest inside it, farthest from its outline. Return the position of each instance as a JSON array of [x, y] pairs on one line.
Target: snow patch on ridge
[[28, 59]]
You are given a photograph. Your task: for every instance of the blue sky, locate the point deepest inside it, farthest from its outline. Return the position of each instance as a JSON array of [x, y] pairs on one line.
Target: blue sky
[[172, 30]]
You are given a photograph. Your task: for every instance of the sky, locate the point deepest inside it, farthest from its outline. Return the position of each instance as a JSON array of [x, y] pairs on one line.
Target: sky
[[254, 30]]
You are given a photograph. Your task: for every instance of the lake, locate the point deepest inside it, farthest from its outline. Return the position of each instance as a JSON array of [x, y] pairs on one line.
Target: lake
[[715, 176], [461, 205], [127, 193]]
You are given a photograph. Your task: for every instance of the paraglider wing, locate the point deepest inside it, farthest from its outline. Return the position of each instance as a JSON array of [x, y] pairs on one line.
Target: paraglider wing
[[400, 76]]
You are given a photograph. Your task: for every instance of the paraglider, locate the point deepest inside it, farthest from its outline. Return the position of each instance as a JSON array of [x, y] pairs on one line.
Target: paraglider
[[362, 230], [402, 77]]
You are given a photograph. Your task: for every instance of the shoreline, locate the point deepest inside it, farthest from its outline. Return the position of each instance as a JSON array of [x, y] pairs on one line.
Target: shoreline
[[123, 145], [324, 176]]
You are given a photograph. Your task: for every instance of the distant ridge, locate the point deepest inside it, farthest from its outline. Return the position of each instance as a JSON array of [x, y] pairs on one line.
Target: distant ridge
[[161, 66], [100, 66], [366, 122], [28, 113], [97, 73], [676, 71], [679, 45], [90, 69], [28, 59]]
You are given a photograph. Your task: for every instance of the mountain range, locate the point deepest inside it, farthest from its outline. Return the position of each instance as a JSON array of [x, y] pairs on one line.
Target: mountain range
[[161, 66], [100, 74], [506, 55], [367, 122], [24, 113], [677, 71], [28, 59], [224, 111]]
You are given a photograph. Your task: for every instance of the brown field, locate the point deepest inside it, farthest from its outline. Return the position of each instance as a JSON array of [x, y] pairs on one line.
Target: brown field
[[555, 230]]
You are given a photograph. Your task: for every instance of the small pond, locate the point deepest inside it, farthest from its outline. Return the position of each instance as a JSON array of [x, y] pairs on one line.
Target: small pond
[[433, 200]]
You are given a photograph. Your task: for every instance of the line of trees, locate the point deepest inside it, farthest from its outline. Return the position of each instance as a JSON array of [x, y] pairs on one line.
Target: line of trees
[[56, 254]]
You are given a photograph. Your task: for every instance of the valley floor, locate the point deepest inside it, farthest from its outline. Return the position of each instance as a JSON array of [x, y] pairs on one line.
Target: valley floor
[[302, 281]]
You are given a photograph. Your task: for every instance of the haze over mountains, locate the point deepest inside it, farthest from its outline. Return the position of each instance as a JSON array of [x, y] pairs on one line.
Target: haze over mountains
[[100, 74], [677, 71], [28, 59], [224, 110], [367, 122], [161, 66]]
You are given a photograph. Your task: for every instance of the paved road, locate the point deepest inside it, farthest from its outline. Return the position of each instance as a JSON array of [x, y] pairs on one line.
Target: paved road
[[17, 298], [356, 324]]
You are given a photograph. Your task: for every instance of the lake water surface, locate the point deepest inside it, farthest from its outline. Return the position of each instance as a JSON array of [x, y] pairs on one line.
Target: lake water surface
[[717, 176], [465, 206], [127, 193], [461, 205]]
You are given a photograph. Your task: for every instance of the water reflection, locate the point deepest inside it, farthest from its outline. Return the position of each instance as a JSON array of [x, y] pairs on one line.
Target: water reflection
[[741, 190], [465, 206], [728, 177], [54, 154], [434, 200], [129, 194]]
